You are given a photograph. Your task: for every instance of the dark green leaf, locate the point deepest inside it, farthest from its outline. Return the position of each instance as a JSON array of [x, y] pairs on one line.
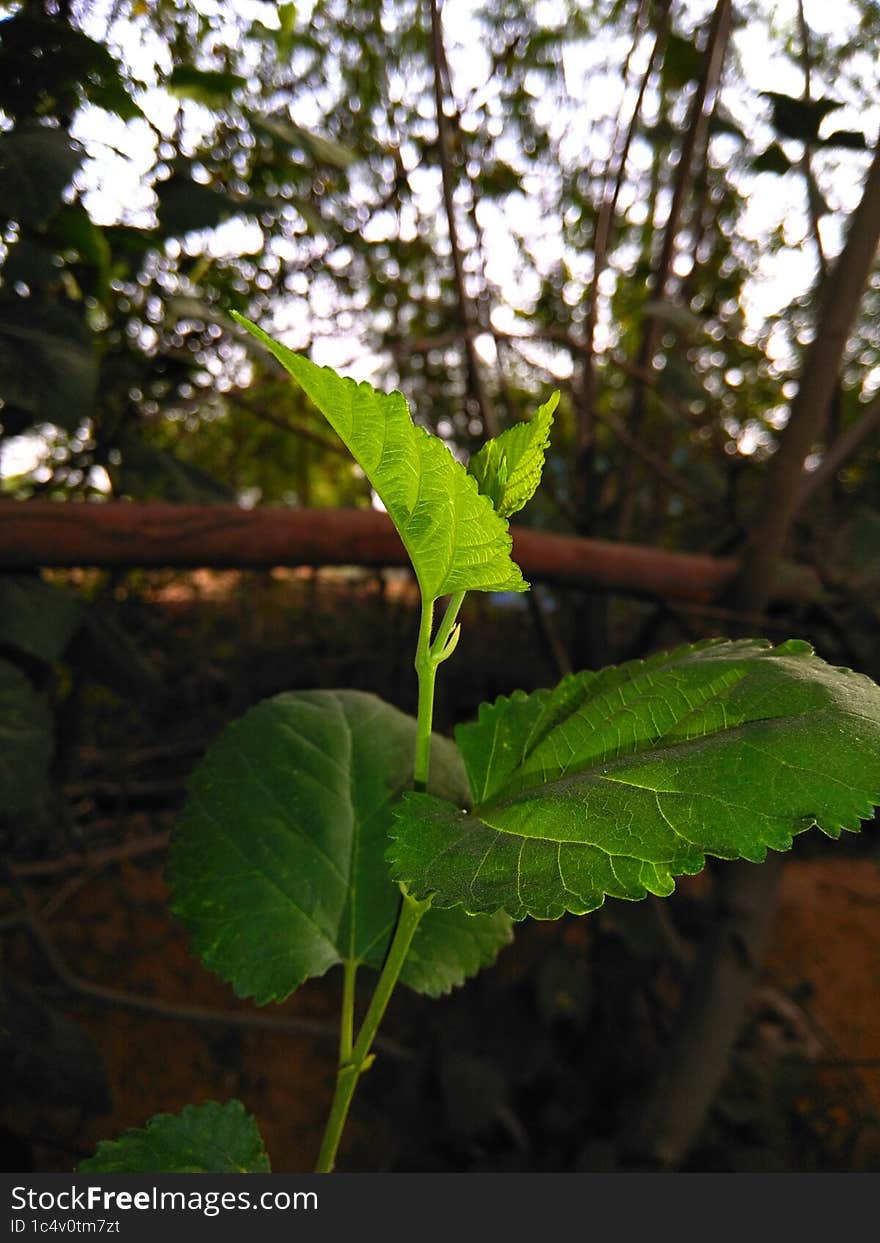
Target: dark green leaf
[[323, 150], [617, 781], [36, 617], [186, 205], [454, 538], [853, 139], [48, 366], [148, 472], [772, 160], [36, 163], [799, 118], [211, 87], [277, 866], [31, 264], [201, 1139], [47, 66], [25, 742], [682, 62], [73, 229]]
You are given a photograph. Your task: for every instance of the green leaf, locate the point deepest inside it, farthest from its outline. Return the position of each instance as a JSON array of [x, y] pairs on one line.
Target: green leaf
[[149, 472], [36, 163], [617, 781], [799, 118], [36, 617], [277, 866], [47, 67], [682, 62], [201, 1139], [48, 366], [508, 468], [772, 160], [454, 538], [323, 150], [185, 205], [73, 228], [25, 743], [211, 87], [853, 139]]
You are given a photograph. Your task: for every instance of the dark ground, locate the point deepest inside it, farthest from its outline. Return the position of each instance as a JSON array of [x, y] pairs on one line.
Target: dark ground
[[536, 1065]]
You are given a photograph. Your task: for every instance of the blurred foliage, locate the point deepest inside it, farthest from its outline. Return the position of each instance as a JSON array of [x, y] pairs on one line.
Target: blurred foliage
[[164, 163], [287, 165]]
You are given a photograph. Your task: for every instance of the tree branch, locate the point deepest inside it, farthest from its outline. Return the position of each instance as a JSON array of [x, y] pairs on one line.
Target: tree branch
[[465, 308], [839, 301]]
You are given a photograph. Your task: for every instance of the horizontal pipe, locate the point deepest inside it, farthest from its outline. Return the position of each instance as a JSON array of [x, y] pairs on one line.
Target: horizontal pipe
[[129, 534]]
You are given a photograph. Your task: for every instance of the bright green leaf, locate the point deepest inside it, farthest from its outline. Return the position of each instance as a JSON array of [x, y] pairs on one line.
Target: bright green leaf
[[454, 538], [201, 1139], [508, 468], [617, 781], [277, 866]]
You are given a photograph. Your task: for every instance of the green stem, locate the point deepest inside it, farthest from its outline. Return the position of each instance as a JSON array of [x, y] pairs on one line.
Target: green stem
[[346, 1022], [429, 655], [426, 671], [350, 1071], [354, 1060]]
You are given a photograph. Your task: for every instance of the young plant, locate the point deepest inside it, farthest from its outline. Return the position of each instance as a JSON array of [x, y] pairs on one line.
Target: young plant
[[327, 828]]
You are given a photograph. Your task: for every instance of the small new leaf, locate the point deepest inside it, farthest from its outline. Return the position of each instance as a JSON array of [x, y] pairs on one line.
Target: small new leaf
[[617, 781], [508, 468], [454, 538], [201, 1139], [277, 865]]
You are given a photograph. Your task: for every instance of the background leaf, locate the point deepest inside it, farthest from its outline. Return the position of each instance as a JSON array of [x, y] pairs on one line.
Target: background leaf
[[201, 1139], [211, 87], [48, 367], [616, 781], [25, 742], [454, 538], [277, 866], [508, 468], [36, 163], [36, 617]]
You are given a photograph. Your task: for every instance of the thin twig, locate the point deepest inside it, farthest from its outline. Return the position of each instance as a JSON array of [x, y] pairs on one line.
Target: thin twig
[[178, 1012], [134, 849]]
